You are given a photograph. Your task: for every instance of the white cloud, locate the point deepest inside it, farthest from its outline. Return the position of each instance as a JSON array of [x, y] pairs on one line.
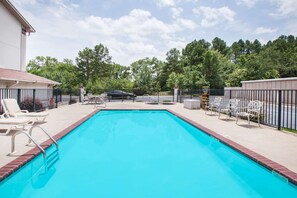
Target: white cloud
[[176, 12], [290, 27], [64, 28], [262, 30], [61, 8], [248, 3], [286, 7], [24, 2], [130, 52], [128, 38], [214, 16], [138, 22], [186, 23], [164, 3]]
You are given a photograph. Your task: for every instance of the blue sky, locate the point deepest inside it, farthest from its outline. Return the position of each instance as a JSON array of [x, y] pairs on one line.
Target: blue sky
[[135, 29]]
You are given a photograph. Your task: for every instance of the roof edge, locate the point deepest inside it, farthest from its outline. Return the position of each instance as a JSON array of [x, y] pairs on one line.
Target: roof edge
[[28, 81], [269, 80], [10, 7]]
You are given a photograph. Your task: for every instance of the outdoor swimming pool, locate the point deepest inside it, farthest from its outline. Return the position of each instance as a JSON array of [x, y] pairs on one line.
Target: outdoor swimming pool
[[143, 154]]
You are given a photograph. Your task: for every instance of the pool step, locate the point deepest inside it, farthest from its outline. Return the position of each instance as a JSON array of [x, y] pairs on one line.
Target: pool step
[[52, 158]]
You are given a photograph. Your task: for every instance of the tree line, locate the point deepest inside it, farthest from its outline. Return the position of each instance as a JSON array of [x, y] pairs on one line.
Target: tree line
[[199, 63]]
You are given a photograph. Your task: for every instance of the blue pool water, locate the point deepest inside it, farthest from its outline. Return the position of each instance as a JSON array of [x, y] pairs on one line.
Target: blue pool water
[[143, 154]]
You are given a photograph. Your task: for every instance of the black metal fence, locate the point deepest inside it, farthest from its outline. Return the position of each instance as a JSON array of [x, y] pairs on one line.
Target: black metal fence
[[30, 99], [39, 99], [279, 108]]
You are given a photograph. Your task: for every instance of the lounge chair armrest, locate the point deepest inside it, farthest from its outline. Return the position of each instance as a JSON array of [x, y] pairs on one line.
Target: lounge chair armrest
[[24, 111], [254, 111], [4, 115], [242, 108]]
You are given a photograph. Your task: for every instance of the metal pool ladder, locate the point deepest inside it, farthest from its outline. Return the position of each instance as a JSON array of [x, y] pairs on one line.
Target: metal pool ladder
[[29, 135]]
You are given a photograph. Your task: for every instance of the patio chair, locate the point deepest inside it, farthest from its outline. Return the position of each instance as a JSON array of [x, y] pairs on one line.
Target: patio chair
[[100, 100], [231, 108], [215, 105], [12, 109], [95, 99], [11, 123], [252, 110], [18, 124]]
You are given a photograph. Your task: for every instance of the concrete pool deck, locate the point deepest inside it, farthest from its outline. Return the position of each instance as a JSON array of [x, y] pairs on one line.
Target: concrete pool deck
[[280, 147]]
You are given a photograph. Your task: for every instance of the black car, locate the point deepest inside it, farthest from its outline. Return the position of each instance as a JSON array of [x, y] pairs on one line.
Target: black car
[[118, 94]]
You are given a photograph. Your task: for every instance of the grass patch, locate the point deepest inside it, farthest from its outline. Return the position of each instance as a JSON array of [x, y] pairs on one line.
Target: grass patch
[[290, 130]]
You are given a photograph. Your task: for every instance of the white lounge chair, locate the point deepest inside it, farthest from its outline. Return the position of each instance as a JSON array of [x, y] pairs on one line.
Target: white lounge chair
[[231, 108], [12, 109], [95, 99], [252, 110], [215, 105], [18, 124], [100, 100], [10, 123]]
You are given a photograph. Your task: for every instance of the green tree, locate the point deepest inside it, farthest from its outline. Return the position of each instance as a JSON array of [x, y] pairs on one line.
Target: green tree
[[172, 64], [84, 64], [145, 73], [220, 46], [211, 65], [176, 81], [64, 72], [193, 54], [193, 78], [93, 64]]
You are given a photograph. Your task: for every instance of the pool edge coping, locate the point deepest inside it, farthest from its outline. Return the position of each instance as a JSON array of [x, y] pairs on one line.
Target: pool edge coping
[[264, 161], [22, 160]]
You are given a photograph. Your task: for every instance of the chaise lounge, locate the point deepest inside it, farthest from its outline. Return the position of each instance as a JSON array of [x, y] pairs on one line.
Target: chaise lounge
[[12, 109], [10, 123]]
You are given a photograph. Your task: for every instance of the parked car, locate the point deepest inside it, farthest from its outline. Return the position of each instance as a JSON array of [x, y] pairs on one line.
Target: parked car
[[119, 94]]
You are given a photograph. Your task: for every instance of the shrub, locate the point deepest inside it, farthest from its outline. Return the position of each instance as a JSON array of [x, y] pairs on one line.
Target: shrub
[[72, 101], [27, 104]]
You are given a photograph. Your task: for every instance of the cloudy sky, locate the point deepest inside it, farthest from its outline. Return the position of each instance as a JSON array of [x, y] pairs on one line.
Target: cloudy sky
[[135, 29]]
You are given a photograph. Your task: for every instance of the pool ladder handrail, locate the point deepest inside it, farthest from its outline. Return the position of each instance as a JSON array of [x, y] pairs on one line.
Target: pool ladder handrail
[[31, 139]]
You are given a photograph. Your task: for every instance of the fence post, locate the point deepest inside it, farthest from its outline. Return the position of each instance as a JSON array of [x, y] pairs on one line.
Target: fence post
[[34, 105], [180, 96], [70, 96], [19, 96], [279, 110], [56, 97], [230, 97]]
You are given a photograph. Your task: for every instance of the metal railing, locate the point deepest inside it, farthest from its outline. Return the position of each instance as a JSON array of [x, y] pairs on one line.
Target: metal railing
[[28, 99], [279, 109]]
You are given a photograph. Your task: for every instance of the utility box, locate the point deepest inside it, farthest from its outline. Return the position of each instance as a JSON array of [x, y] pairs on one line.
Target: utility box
[[192, 104]]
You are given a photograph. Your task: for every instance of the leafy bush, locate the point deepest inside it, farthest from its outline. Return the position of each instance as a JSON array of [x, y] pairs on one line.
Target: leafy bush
[[72, 101], [27, 104]]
